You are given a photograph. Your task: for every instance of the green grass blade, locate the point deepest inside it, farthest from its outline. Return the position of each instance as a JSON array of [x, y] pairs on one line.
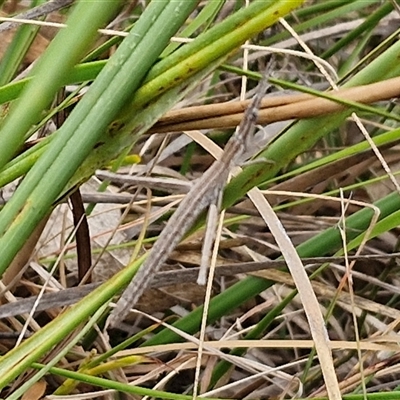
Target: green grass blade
[[20, 358], [310, 23], [17, 49], [367, 25], [63, 53], [79, 335], [121, 387], [202, 20]]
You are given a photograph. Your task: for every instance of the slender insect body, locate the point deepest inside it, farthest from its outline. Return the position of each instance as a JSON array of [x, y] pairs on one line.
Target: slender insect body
[[184, 217], [203, 193]]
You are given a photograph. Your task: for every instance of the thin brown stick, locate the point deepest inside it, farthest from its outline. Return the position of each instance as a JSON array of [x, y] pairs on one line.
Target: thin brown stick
[[274, 109]]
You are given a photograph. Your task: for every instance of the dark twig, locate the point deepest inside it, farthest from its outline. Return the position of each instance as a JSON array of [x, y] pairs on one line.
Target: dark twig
[[36, 12], [70, 296], [83, 246]]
